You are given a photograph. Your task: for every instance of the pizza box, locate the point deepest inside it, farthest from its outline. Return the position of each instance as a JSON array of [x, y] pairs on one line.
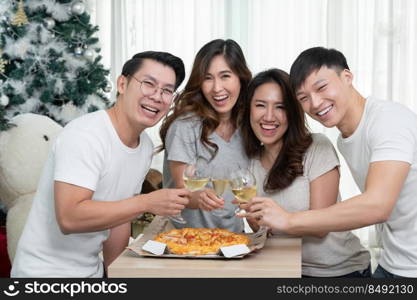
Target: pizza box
[[162, 224]]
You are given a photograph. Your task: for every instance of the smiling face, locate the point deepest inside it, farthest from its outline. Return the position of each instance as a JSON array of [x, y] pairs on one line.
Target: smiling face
[[143, 111], [324, 95], [221, 86], [268, 117]]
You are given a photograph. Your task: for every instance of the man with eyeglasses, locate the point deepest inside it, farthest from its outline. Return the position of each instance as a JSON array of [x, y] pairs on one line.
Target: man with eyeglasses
[[89, 190]]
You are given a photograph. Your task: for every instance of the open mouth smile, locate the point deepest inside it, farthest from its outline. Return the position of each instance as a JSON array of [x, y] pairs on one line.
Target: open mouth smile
[[324, 111], [269, 126], [150, 109]]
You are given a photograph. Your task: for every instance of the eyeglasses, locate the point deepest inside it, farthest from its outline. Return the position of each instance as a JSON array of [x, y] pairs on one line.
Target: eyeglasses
[[149, 88]]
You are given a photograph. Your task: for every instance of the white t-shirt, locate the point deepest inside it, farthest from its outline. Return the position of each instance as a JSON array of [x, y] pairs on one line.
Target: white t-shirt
[[388, 131], [88, 153], [338, 253]]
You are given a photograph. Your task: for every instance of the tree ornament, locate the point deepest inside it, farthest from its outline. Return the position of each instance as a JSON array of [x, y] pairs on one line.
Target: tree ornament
[[78, 8], [3, 63], [20, 18], [4, 100], [49, 23], [78, 51], [89, 54]]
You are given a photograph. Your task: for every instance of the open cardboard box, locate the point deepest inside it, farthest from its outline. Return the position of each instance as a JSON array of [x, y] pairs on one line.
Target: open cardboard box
[[162, 224]]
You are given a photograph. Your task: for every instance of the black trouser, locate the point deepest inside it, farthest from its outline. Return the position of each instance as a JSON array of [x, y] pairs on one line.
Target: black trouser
[[380, 272]]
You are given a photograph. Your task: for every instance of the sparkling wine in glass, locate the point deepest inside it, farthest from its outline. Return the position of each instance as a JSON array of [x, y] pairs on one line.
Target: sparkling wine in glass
[[243, 185], [220, 183], [244, 188], [194, 180], [195, 184]]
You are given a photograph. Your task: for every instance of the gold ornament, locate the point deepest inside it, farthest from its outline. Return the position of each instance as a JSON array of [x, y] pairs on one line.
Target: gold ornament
[[20, 18], [3, 63]]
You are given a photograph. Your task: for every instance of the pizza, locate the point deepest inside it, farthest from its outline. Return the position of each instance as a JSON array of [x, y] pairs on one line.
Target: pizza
[[199, 241]]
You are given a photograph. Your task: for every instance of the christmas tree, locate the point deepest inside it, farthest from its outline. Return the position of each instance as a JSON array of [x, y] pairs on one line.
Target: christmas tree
[[49, 60]]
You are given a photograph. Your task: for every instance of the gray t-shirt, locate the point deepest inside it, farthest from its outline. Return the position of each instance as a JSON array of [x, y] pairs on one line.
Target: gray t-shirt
[[338, 253], [183, 144]]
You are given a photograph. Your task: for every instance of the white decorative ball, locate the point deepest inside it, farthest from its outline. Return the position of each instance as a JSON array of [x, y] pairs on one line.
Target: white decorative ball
[[49, 23], [89, 54], [78, 8], [78, 51], [4, 100]]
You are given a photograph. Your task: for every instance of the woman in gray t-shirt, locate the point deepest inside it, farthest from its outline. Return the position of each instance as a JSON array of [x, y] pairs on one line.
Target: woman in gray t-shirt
[[297, 170], [203, 124]]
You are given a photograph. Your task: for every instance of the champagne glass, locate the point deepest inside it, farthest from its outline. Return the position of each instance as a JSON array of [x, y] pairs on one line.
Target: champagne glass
[[220, 181], [195, 175], [194, 179], [243, 184]]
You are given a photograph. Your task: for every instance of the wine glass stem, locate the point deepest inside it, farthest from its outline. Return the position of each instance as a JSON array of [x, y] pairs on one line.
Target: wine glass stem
[[178, 218], [240, 211], [262, 229]]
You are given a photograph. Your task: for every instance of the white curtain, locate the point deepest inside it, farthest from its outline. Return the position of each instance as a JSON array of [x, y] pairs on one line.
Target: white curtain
[[378, 37]]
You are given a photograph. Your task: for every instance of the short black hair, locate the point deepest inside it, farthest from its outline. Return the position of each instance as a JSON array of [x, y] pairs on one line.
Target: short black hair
[[167, 59], [313, 59]]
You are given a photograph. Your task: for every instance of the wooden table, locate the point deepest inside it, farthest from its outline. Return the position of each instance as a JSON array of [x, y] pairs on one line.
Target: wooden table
[[280, 257]]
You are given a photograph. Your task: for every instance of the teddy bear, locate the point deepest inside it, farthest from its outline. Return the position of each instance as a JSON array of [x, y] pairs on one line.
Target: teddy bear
[[23, 152]]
